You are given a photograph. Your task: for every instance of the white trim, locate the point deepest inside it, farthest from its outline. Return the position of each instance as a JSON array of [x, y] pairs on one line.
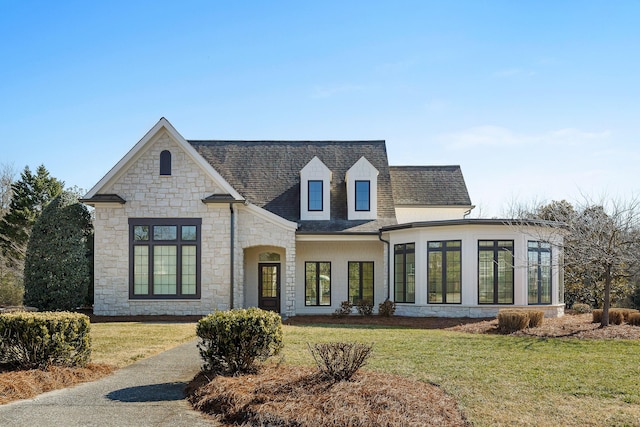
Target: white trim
[[149, 136]]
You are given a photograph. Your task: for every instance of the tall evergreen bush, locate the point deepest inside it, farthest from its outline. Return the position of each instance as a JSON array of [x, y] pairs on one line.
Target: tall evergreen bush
[[57, 265]]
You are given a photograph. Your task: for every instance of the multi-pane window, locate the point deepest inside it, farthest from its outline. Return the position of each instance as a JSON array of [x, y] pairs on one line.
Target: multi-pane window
[[495, 271], [445, 272], [360, 281], [404, 272], [539, 272], [315, 195], [164, 258], [317, 283], [363, 196]]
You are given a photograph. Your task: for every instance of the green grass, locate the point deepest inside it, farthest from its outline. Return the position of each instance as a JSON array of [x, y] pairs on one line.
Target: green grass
[[121, 344], [502, 380]]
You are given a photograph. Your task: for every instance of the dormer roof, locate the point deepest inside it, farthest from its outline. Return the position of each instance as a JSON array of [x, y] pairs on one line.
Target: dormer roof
[[267, 174]]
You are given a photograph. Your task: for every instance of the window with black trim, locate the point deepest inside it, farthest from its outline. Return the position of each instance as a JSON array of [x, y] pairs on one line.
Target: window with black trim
[[165, 163], [363, 196], [539, 272], [317, 283], [360, 281], [164, 258], [445, 272], [315, 196], [404, 272], [495, 271]]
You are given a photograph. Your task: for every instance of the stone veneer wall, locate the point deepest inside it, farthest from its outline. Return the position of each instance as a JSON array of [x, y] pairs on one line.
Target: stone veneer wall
[[454, 310], [254, 230], [153, 196]]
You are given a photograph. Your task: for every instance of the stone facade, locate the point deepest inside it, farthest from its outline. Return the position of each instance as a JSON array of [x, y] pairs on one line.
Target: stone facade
[[265, 230], [149, 195]]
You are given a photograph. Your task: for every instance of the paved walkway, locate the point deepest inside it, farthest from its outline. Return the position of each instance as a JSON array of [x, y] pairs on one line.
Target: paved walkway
[[147, 393]]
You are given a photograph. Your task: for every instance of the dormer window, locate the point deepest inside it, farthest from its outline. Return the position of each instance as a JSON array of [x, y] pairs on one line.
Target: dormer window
[[362, 191], [363, 196], [165, 163], [315, 196], [315, 183]]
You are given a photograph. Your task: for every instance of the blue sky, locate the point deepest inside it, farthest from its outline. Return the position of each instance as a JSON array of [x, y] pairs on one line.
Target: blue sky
[[535, 100]]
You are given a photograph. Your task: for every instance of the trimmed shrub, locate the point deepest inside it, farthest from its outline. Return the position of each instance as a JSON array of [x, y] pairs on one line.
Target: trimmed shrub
[[634, 319], [233, 341], [515, 320], [338, 361], [364, 307], [38, 340], [510, 321], [596, 315], [581, 308], [344, 310], [626, 312], [616, 316], [535, 318], [387, 308]]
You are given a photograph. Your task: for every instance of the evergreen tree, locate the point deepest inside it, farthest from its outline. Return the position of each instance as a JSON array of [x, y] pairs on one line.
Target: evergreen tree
[[31, 193], [57, 265]]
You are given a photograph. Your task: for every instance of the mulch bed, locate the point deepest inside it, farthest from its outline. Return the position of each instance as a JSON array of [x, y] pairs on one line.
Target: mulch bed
[[393, 321], [297, 396], [16, 385]]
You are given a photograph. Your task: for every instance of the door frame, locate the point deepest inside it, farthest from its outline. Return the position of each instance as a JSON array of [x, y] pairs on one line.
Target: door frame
[[261, 305]]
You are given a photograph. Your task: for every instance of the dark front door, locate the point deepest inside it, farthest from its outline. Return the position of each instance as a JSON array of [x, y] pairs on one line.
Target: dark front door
[[269, 286]]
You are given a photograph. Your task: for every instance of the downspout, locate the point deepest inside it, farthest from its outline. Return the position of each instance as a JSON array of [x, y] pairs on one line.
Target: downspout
[[231, 256], [388, 264]]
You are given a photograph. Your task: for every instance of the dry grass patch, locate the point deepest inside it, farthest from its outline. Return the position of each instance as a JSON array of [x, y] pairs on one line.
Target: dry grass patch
[[297, 396], [123, 343], [17, 385]]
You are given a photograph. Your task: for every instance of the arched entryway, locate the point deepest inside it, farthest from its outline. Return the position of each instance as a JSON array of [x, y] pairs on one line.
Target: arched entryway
[[263, 277]]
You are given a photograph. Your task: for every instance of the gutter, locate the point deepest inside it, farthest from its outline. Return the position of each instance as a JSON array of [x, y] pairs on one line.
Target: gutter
[[231, 256], [388, 264]]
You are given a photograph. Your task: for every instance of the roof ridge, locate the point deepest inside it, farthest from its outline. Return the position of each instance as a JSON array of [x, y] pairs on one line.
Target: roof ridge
[[288, 141], [421, 166]]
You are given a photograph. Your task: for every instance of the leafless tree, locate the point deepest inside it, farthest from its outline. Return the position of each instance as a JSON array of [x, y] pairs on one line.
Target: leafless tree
[[7, 174], [602, 240]]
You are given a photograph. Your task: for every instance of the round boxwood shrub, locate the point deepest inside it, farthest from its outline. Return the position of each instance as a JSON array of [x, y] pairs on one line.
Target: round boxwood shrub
[[231, 342]]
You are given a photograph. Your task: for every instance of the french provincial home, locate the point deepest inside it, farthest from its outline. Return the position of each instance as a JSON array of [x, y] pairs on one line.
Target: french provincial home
[[186, 227]]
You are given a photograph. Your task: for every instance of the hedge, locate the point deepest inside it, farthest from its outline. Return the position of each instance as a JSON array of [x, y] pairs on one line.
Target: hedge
[[617, 316], [233, 341], [37, 340], [634, 319]]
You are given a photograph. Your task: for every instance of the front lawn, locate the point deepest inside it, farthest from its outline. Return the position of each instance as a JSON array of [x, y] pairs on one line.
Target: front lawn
[[502, 380], [120, 344]]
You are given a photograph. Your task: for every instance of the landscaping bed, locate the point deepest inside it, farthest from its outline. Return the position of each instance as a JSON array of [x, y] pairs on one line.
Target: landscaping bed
[[297, 396], [567, 326]]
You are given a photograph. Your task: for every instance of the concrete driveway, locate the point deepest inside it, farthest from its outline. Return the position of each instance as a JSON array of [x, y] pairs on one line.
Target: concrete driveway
[[147, 393]]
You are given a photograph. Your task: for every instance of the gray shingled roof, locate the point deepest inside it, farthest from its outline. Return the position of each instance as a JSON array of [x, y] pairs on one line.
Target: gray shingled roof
[[267, 174], [429, 185]]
